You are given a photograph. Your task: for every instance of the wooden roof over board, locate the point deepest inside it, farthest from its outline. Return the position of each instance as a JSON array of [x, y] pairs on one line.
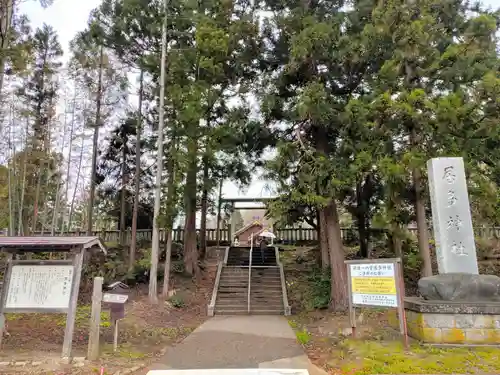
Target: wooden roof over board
[[252, 224], [247, 200], [49, 243]]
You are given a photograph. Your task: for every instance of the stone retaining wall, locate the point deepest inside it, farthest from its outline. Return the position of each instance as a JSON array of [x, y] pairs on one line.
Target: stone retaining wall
[[453, 323]]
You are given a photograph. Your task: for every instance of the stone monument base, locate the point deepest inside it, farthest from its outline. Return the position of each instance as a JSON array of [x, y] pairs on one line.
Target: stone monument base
[[444, 322]]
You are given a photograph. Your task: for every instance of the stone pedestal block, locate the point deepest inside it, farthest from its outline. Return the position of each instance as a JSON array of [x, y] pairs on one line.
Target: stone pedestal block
[[439, 322]]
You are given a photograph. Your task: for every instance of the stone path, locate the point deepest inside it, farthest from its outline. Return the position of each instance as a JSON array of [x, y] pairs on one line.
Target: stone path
[[226, 342]]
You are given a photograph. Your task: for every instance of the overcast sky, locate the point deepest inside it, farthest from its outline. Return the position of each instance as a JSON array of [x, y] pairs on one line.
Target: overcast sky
[[70, 16]]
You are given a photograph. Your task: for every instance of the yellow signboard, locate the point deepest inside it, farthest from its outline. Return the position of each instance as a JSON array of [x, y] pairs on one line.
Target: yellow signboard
[[373, 285]]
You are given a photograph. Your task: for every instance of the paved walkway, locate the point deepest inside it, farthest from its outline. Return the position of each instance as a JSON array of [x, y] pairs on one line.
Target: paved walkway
[[226, 342]]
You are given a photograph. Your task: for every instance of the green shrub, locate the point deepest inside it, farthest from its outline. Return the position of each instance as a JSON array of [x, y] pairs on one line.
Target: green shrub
[[319, 283], [303, 336], [176, 301]]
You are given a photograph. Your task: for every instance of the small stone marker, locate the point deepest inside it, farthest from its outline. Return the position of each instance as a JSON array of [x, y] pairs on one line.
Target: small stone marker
[[451, 217], [114, 298], [116, 302]]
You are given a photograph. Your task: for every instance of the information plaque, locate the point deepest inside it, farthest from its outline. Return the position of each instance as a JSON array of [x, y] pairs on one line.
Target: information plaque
[[373, 284], [39, 288], [376, 283]]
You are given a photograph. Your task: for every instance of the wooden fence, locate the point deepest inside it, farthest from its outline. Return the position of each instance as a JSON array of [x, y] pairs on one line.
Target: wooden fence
[[284, 235]]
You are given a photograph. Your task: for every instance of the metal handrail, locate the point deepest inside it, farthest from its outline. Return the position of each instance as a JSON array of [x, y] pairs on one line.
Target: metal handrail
[[286, 306], [226, 255], [211, 306], [249, 277]]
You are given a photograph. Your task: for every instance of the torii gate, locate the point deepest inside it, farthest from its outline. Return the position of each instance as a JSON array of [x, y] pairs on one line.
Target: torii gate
[[233, 202]]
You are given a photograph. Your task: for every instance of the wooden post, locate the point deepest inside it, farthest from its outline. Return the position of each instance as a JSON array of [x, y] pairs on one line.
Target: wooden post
[[70, 318], [3, 295], [352, 309], [232, 228], [95, 320], [115, 336], [219, 206]]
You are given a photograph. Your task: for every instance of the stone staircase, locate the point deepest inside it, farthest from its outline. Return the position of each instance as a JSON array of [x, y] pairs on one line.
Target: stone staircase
[[269, 258], [238, 256], [232, 294], [266, 296], [231, 291]]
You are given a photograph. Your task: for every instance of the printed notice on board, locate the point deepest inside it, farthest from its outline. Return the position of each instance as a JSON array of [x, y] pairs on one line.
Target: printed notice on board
[[374, 284], [39, 287]]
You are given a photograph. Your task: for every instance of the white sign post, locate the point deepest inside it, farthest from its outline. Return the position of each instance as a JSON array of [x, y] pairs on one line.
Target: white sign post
[[44, 287], [376, 283], [39, 288]]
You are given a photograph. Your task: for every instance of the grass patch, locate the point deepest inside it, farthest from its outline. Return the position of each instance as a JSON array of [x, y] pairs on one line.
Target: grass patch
[[177, 301], [82, 318], [377, 357], [303, 336]]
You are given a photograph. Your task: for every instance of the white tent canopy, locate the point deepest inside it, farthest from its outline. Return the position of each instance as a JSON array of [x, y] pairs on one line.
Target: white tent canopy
[[266, 234]]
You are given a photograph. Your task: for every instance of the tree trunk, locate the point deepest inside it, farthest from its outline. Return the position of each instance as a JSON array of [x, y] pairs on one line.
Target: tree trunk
[[204, 208], [423, 231], [78, 174], [55, 212], [422, 228], [7, 11], [37, 197], [190, 248], [155, 246], [137, 177], [123, 192], [171, 199], [339, 297], [68, 166], [219, 206], [10, 191], [20, 228], [323, 240], [93, 173]]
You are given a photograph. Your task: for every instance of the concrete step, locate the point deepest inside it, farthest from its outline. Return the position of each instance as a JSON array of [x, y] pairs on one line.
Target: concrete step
[[266, 272], [236, 276], [265, 307], [260, 292], [267, 312], [240, 302], [272, 304], [257, 277], [266, 297], [231, 312], [231, 293], [229, 305]]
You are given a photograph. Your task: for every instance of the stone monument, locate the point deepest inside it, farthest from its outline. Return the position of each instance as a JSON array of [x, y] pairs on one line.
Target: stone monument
[[451, 218], [458, 306]]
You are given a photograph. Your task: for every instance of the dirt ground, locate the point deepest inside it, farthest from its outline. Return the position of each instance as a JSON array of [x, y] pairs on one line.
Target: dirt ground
[[144, 332], [378, 347]]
